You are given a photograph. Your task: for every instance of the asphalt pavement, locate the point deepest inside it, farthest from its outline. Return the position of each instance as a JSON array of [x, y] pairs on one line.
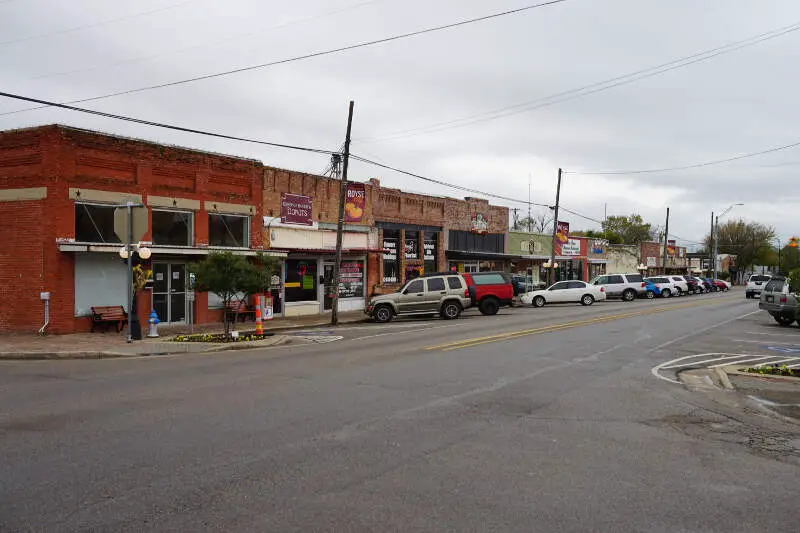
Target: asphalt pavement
[[533, 420]]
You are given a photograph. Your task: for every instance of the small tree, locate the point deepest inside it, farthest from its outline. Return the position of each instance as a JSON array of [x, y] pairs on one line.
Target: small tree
[[258, 276], [224, 274]]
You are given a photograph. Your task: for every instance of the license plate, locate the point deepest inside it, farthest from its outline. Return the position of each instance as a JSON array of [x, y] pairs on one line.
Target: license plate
[[770, 299]]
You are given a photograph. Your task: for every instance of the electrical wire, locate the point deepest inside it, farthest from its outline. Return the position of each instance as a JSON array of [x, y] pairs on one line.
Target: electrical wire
[[95, 24], [306, 56], [586, 90], [163, 125], [237, 36], [684, 167]]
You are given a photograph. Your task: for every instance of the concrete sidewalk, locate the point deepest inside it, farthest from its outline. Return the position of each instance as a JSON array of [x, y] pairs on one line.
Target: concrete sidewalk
[[112, 344]]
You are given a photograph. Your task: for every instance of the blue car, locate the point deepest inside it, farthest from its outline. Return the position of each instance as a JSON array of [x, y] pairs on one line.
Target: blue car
[[651, 290]]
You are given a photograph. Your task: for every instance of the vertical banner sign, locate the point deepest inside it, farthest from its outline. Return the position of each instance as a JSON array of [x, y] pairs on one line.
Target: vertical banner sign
[[355, 202], [296, 209], [671, 247], [562, 236]]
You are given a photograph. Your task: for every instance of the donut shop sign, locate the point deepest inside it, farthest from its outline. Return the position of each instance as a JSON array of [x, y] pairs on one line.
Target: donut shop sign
[[296, 209]]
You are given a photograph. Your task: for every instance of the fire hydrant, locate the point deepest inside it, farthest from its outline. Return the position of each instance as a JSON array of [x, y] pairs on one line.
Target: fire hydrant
[[153, 321]]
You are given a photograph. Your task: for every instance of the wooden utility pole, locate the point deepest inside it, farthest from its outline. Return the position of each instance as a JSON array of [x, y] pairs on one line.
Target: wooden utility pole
[[552, 275], [340, 224], [666, 241]]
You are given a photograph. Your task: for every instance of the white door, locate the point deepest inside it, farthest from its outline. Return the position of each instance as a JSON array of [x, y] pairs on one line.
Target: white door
[[575, 291], [558, 293]]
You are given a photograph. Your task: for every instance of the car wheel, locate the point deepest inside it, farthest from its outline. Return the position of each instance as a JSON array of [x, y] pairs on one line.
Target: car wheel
[[538, 301], [451, 310], [666, 293], [650, 295], [383, 314], [489, 306], [587, 299], [629, 295], [784, 320], [678, 292]]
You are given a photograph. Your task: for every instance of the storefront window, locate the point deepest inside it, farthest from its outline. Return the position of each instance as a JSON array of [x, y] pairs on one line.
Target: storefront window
[[95, 223], [351, 284], [430, 247], [172, 228], [391, 257], [301, 280], [228, 230], [570, 269]]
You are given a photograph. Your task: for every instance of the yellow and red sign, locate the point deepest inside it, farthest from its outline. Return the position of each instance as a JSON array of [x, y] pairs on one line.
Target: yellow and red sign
[[562, 236], [355, 202]]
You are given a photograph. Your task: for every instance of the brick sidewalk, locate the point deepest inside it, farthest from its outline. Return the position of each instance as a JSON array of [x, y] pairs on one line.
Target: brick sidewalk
[[114, 342]]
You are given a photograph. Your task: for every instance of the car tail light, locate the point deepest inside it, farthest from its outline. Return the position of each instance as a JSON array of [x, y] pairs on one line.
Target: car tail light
[[658, 286], [466, 293], [644, 284], [783, 299], [602, 289]]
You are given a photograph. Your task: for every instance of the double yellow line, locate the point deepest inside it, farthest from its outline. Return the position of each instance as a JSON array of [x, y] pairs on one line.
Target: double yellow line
[[477, 341]]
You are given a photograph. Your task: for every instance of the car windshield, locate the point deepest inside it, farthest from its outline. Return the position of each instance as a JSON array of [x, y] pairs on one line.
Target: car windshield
[[774, 285]]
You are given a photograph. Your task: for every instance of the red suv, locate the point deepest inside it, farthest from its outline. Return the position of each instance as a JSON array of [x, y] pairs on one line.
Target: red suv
[[489, 290]]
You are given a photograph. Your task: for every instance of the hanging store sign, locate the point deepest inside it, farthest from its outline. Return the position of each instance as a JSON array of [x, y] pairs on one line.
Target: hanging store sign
[[355, 202], [479, 224], [296, 209]]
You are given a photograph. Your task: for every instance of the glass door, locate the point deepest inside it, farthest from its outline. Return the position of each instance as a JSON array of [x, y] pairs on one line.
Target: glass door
[[169, 291], [327, 279]]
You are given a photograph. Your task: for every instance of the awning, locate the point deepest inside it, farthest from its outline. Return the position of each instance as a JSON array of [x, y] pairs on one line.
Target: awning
[[166, 250], [460, 254], [598, 261], [331, 251]]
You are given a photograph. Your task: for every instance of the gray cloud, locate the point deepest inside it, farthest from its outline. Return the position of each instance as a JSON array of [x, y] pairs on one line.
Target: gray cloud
[[737, 103]]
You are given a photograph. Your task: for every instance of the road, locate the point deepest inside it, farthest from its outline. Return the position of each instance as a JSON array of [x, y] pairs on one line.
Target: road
[[533, 420]]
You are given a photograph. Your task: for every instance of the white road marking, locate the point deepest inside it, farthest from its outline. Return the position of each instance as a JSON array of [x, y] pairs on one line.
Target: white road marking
[[765, 341], [794, 366], [742, 361], [696, 363], [779, 361], [404, 332], [773, 334], [657, 369]]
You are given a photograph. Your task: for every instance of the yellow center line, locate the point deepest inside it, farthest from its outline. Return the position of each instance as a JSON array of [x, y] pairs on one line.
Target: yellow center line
[[477, 341]]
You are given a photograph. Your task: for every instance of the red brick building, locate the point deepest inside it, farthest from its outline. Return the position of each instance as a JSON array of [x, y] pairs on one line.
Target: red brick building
[[60, 186], [58, 189]]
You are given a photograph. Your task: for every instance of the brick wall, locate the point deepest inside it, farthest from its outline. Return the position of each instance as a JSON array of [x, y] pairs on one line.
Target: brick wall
[[324, 192], [60, 159]]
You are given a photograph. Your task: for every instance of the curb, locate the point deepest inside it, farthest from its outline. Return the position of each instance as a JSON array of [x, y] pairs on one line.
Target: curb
[[736, 371], [186, 348]]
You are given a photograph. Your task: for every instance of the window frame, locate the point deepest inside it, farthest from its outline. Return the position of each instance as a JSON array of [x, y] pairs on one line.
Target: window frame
[[190, 226], [245, 240], [431, 289], [407, 289], [619, 279], [93, 204]]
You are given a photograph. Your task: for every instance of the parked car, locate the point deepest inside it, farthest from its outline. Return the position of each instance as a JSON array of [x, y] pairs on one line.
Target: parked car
[[565, 292], [681, 285], [694, 285], [755, 284], [703, 285], [718, 285], [625, 286], [490, 290], [523, 284], [666, 285], [446, 295], [778, 301], [651, 290]]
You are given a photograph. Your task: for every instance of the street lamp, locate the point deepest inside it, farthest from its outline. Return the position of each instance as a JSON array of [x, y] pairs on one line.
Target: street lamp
[[716, 235]]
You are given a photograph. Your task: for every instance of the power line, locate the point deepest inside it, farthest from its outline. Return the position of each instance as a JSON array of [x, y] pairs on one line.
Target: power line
[[163, 125], [686, 167], [237, 36], [586, 90], [307, 56], [95, 24], [443, 183]]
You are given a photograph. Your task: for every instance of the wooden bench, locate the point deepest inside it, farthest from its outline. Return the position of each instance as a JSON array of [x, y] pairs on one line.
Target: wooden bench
[[112, 314], [238, 309]]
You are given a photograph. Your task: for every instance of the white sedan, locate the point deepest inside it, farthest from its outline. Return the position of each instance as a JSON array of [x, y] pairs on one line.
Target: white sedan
[[565, 292]]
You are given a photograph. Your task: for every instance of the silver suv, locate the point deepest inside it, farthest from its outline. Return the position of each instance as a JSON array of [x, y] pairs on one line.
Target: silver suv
[[625, 286], [778, 301], [440, 294]]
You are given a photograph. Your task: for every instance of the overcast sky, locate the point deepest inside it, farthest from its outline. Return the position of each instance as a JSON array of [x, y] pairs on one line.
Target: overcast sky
[[740, 102]]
